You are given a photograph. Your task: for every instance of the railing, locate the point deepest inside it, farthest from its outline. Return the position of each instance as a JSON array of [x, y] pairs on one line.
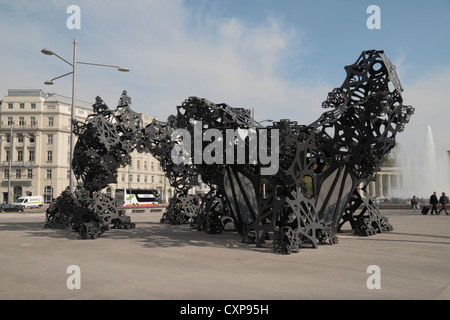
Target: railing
[[20, 144], [4, 125]]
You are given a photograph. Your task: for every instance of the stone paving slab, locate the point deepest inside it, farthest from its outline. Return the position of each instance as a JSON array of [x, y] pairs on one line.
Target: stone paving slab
[[164, 262]]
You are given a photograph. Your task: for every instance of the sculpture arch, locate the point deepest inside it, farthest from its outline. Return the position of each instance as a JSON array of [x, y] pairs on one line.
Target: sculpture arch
[[324, 167]]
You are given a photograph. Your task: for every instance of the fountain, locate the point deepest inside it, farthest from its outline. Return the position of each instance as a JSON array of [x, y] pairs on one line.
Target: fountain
[[423, 169]]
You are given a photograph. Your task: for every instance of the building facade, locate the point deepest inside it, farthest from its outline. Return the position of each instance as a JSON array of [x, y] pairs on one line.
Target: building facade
[[35, 130]]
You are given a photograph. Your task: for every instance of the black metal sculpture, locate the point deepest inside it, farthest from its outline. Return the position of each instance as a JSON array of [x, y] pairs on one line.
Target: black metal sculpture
[[297, 184]]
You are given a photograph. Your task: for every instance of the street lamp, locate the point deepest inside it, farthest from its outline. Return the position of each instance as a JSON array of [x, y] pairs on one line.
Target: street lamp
[[73, 72]]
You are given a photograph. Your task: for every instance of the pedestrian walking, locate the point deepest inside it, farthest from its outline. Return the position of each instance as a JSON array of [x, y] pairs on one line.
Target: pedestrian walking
[[414, 203], [443, 200], [434, 201]]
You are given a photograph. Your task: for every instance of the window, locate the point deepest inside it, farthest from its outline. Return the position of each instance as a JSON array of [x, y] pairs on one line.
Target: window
[[123, 177], [152, 178], [10, 105], [130, 178], [18, 173], [22, 106], [33, 106], [6, 174], [10, 121], [151, 166], [20, 138], [32, 138], [138, 164], [49, 139], [33, 121], [19, 155], [145, 164], [31, 155], [17, 192], [48, 194], [8, 155], [30, 174], [145, 178], [138, 178], [50, 121], [49, 156], [49, 173], [21, 121]]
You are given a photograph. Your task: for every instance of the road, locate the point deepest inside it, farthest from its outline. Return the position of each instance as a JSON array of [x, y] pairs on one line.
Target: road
[[158, 261]]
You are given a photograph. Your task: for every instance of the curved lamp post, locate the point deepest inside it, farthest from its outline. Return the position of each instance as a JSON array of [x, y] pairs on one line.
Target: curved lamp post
[[73, 72]]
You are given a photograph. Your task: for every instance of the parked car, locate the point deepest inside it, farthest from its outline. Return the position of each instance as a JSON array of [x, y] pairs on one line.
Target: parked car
[[10, 207]]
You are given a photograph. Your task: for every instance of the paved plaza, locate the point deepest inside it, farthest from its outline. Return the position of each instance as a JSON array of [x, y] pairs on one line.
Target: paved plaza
[[167, 262]]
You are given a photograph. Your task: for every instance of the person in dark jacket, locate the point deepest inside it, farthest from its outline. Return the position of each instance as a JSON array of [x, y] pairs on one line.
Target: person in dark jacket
[[443, 200], [434, 201], [414, 202]]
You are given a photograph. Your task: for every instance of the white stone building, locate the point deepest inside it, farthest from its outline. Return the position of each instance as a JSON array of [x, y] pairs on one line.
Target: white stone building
[[35, 135]]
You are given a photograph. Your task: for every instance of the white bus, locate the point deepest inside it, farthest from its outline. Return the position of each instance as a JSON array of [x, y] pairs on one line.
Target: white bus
[[137, 198]]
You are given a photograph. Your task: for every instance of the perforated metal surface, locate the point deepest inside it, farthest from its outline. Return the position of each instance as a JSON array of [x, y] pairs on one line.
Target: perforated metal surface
[[320, 183]]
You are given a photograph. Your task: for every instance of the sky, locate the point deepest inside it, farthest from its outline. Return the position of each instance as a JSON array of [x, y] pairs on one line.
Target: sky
[[279, 58]]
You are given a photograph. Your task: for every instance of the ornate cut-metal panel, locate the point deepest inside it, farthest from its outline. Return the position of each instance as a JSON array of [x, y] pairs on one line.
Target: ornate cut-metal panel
[[319, 183]]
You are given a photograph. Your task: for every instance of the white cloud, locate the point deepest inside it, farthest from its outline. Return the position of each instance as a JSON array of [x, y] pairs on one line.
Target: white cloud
[[224, 60], [175, 51]]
